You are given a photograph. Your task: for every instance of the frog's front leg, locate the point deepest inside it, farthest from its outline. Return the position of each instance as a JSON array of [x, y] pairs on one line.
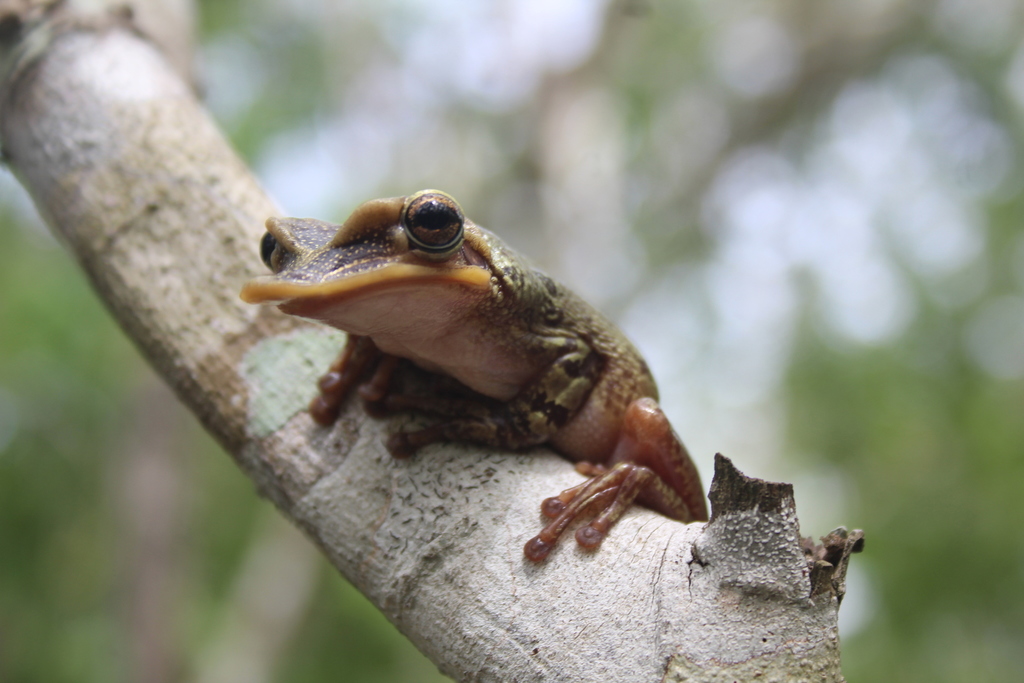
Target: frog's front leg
[[357, 361], [650, 466]]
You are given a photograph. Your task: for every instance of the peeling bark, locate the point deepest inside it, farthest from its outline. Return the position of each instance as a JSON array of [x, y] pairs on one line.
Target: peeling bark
[[135, 178]]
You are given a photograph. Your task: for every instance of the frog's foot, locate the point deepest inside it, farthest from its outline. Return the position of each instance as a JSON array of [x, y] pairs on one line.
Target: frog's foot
[[611, 493], [651, 467], [359, 356]]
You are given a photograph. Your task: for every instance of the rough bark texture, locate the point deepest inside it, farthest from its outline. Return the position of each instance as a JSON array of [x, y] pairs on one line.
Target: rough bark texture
[[130, 171]]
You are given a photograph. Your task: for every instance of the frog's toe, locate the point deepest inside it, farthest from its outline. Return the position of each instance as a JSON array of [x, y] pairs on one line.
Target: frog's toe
[[377, 387], [589, 469], [589, 537], [405, 444], [323, 410], [399, 446], [378, 410], [537, 549], [552, 507]]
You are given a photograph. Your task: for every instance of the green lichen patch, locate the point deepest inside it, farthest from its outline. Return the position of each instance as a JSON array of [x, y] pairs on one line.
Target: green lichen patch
[[818, 665], [282, 373]]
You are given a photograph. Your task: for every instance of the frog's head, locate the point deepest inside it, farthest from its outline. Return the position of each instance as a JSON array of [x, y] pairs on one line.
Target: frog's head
[[415, 247]]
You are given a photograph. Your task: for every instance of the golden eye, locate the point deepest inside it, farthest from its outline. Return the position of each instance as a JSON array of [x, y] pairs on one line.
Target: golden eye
[[434, 223]]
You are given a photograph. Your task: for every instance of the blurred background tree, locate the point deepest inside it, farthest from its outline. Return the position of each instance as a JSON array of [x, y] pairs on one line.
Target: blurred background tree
[[807, 215]]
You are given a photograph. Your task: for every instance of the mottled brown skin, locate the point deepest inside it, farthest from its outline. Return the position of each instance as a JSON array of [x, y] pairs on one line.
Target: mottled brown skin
[[411, 278]]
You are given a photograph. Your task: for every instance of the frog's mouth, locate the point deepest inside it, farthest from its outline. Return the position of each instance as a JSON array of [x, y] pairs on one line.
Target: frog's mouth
[[290, 293]]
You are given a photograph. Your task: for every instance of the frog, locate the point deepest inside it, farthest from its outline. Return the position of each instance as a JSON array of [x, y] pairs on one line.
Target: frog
[[521, 361]]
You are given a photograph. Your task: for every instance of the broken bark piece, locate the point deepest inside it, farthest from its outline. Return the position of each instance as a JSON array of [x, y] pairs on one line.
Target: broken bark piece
[[760, 586], [752, 542], [733, 492], [830, 559], [738, 500]]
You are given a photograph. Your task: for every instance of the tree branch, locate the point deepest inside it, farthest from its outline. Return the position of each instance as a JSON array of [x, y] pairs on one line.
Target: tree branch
[[133, 175]]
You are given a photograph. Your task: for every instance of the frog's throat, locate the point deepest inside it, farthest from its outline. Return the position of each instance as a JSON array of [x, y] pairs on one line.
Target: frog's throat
[[270, 289]]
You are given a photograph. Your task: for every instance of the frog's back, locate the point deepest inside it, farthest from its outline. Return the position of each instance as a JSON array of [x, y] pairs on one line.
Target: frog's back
[[551, 307]]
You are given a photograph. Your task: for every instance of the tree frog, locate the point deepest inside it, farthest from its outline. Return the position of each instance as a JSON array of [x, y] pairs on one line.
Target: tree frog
[[412, 278]]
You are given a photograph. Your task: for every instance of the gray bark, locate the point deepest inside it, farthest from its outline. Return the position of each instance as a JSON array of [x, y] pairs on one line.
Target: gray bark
[[133, 175]]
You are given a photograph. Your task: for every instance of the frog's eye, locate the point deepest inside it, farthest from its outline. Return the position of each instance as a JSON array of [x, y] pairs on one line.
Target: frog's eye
[[267, 246], [434, 223]]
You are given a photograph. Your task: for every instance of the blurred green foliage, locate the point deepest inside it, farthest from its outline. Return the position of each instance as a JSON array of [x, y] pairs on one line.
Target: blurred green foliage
[[70, 389], [61, 371], [825, 270]]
